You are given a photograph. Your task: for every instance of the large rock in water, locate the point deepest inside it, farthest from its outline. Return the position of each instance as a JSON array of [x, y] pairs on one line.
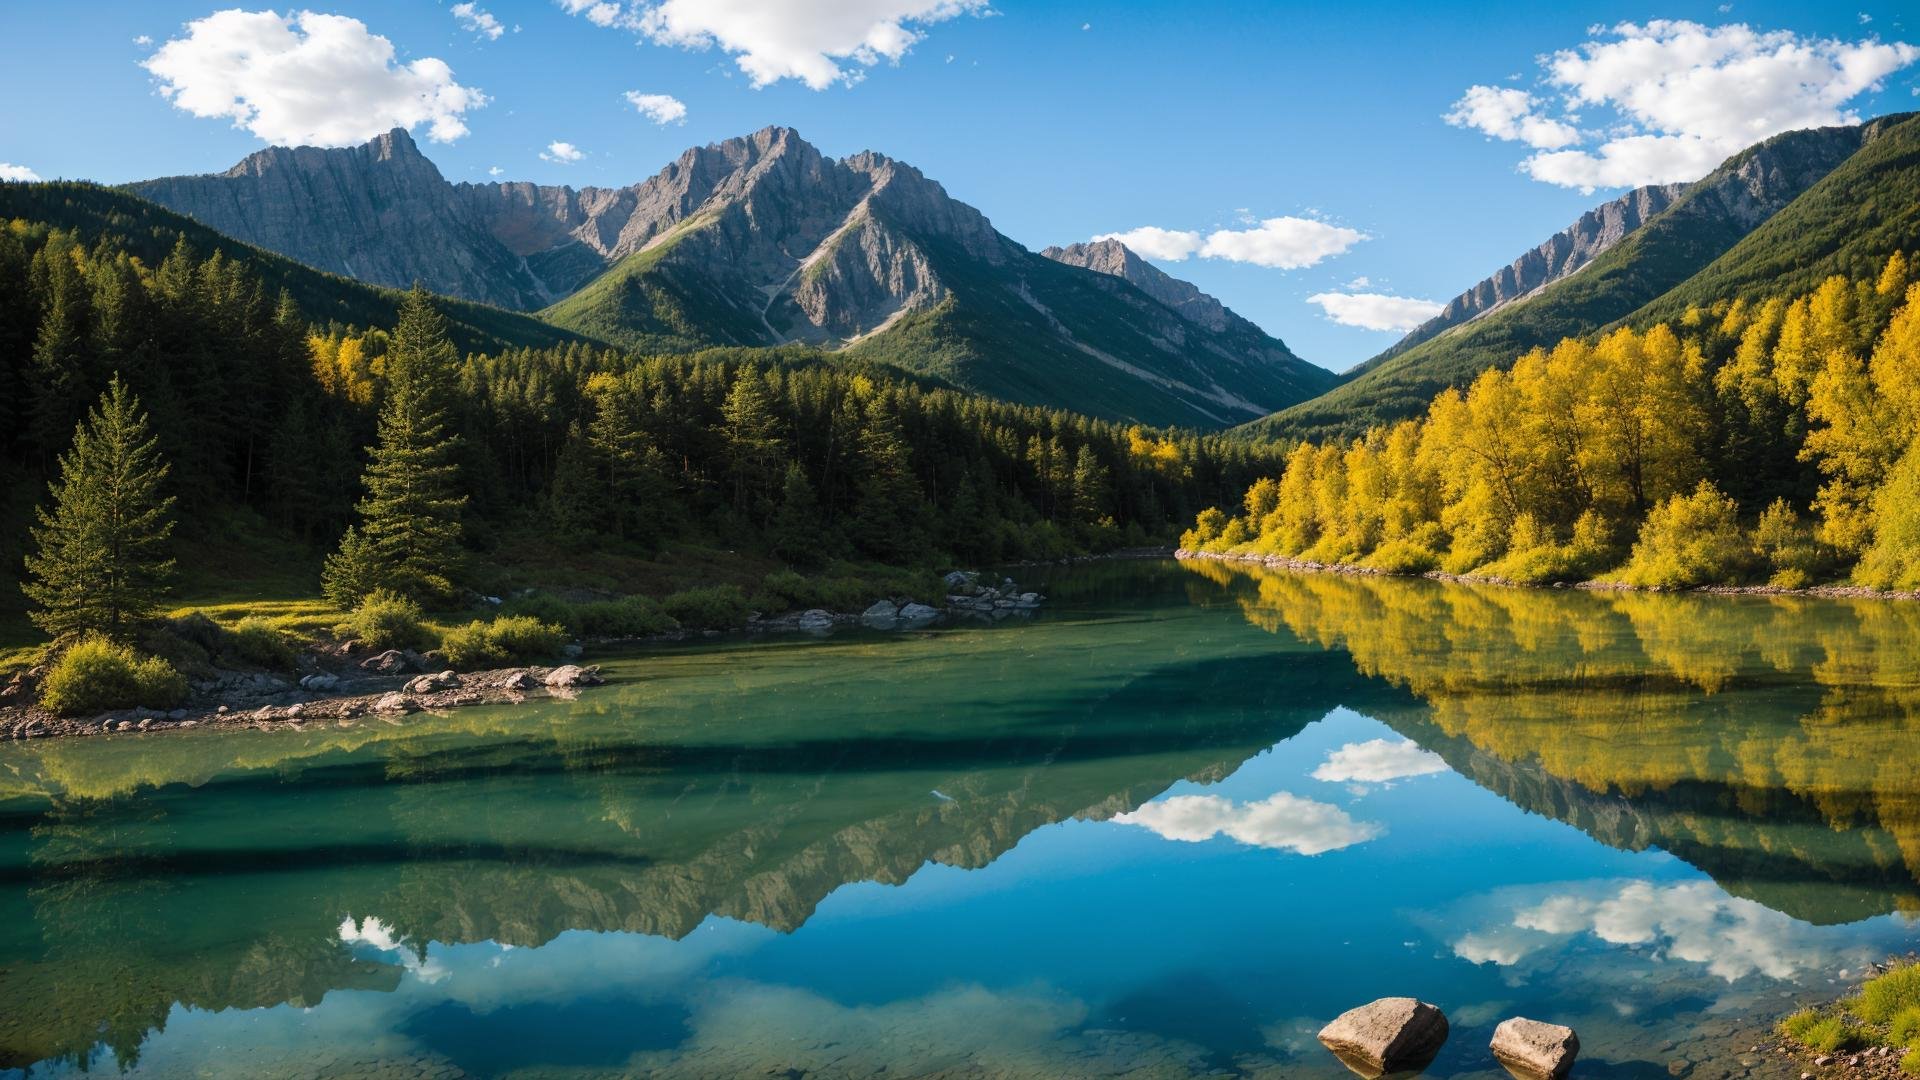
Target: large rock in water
[[1396, 1034], [1533, 1049]]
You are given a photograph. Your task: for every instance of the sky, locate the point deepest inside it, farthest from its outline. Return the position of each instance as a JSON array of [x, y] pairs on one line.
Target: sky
[[1333, 172]]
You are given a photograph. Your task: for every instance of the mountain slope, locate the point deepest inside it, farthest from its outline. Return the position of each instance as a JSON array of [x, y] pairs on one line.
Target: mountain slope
[[150, 232], [1708, 220], [760, 241]]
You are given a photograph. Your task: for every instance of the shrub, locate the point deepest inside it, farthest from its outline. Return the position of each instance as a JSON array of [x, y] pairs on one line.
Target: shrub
[[629, 616], [545, 607], [1910, 1063], [1536, 557], [1206, 527], [1904, 1028], [1892, 559], [713, 607], [783, 590], [1689, 540], [1787, 546], [256, 641], [1884, 997], [95, 674], [507, 639], [386, 620], [1822, 1032]]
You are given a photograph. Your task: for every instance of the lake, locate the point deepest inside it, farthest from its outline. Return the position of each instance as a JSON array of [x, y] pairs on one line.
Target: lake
[[1168, 827]]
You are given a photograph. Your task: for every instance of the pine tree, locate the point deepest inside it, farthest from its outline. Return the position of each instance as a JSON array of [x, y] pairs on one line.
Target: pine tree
[[796, 532], [886, 519], [1091, 487], [754, 444], [102, 559], [621, 455], [411, 514]]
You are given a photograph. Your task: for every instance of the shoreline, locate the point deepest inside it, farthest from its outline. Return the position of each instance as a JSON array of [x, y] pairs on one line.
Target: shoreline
[[1308, 566]]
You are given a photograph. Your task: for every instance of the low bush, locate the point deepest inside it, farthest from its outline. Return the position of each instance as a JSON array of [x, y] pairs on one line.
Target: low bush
[[94, 675], [1904, 1028], [1690, 540], [784, 590], [1788, 548], [254, 640], [508, 639], [1882, 998], [1822, 1032], [546, 607], [629, 616], [1910, 1063], [711, 607], [386, 620]]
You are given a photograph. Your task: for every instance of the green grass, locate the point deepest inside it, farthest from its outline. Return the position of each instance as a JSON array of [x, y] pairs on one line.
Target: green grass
[[1820, 1031], [1883, 998]]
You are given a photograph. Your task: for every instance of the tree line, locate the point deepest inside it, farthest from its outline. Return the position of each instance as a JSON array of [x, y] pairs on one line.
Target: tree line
[[1769, 441]]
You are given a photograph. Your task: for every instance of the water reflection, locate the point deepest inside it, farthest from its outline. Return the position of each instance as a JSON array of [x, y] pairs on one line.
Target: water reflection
[[1171, 827]]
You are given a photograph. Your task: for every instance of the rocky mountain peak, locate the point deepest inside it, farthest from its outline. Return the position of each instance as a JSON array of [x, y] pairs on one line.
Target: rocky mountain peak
[[1110, 256]]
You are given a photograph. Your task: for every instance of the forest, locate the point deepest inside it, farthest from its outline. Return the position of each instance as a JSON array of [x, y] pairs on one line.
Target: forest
[[1747, 442], [137, 397]]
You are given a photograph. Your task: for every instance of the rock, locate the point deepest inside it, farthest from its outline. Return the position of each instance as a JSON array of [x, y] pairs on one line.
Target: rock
[[427, 684], [222, 710], [394, 702], [881, 609], [572, 650], [391, 662], [519, 680], [1535, 1049], [177, 715], [918, 613], [1823, 1060], [1393, 1034], [959, 579], [571, 675], [815, 619], [320, 682]]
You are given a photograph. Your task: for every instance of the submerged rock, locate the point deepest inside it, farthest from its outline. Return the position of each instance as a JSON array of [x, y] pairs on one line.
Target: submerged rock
[[915, 613], [1533, 1049], [570, 675], [1395, 1034]]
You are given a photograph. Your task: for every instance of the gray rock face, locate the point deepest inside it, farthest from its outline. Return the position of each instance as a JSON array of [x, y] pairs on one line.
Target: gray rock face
[[1389, 1035], [1533, 1049], [1115, 258]]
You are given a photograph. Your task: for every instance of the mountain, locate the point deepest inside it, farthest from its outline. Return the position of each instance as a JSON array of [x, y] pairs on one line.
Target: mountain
[[1555, 258], [1693, 237], [150, 231], [1113, 257], [762, 241]]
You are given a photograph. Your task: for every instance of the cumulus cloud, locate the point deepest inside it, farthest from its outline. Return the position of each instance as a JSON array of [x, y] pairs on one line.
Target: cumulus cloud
[[475, 20], [1376, 311], [1286, 243], [307, 78], [1170, 245], [9, 171], [143, 41], [494, 170], [818, 42], [1506, 113], [1282, 821], [1676, 99], [1377, 761], [562, 153], [659, 108]]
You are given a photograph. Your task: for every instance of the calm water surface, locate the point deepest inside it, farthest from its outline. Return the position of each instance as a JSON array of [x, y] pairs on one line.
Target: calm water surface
[[1167, 828]]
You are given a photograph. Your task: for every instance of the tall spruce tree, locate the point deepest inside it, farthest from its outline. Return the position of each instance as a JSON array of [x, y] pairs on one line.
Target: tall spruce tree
[[410, 518], [102, 560]]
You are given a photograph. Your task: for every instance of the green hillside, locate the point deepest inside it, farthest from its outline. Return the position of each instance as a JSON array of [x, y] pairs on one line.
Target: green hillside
[[649, 303], [1700, 230], [149, 231]]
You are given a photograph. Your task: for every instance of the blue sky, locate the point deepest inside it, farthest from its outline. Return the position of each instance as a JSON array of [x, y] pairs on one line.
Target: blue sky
[[1060, 121]]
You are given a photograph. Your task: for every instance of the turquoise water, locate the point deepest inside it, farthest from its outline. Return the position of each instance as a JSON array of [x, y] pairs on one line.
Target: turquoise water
[[1169, 827]]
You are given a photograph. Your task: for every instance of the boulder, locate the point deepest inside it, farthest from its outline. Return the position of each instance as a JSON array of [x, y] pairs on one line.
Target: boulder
[[916, 613], [391, 662], [320, 682], [815, 619], [394, 702], [571, 675], [959, 579], [427, 684], [881, 609], [519, 680], [572, 650], [1534, 1049], [1396, 1034]]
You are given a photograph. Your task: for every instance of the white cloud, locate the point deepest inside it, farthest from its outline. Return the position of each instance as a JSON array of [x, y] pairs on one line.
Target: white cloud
[[1376, 311], [1682, 96], [143, 41], [1153, 242], [474, 20], [562, 153], [1286, 243], [818, 42], [494, 170], [16, 172], [1510, 114], [307, 78], [1377, 761], [659, 108], [1281, 821]]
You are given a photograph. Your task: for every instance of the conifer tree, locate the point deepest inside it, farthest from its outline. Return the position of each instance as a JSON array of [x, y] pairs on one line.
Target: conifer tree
[[886, 520], [1091, 486], [411, 513], [102, 550], [754, 444], [797, 533]]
